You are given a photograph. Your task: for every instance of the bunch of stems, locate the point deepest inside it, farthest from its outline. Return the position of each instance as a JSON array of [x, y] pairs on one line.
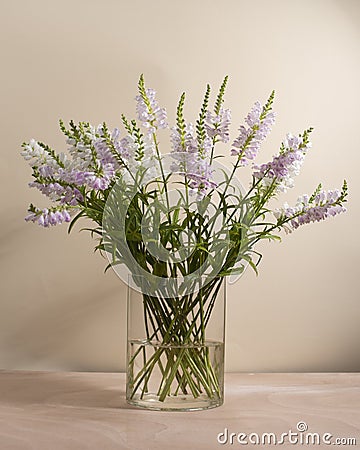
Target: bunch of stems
[[176, 330]]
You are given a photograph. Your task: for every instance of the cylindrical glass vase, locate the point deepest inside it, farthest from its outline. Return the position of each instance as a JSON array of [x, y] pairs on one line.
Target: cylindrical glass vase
[[175, 348]]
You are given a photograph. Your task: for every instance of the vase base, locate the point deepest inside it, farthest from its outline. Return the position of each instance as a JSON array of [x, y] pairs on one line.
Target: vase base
[[174, 403]]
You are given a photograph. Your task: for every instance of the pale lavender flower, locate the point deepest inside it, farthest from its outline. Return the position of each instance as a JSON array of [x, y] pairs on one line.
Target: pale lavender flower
[[81, 155], [190, 144], [247, 144], [192, 161], [138, 159], [99, 178], [51, 190], [253, 117], [93, 163], [46, 171], [56, 192], [71, 196], [105, 154], [285, 166], [153, 117], [218, 125], [72, 176], [306, 210], [200, 176], [131, 149], [38, 157], [100, 181], [49, 217], [84, 169]]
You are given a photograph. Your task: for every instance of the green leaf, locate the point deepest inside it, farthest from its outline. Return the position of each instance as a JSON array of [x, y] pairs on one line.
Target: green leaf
[[74, 220]]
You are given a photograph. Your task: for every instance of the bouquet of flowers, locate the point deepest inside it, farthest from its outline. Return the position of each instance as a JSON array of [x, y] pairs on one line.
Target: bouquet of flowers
[[178, 222]]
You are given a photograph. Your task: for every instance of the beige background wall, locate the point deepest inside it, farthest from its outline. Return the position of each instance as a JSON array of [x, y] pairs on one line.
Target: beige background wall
[[81, 59]]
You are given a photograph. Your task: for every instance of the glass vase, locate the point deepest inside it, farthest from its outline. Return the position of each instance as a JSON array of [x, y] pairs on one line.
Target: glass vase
[[175, 348]]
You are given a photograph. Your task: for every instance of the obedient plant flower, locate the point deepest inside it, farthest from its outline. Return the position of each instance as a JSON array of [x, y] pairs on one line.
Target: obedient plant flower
[[102, 147], [259, 122], [42, 158], [149, 113], [285, 166], [218, 125], [186, 143], [192, 160], [47, 217], [193, 147], [318, 207], [58, 193]]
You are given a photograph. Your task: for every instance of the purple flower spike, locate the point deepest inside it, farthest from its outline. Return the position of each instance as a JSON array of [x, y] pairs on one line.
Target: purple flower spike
[[192, 161], [150, 115], [259, 120], [285, 166], [321, 206], [218, 125], [49, 217]]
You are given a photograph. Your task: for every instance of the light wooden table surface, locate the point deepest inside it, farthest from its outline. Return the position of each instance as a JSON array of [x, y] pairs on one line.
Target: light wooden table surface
[[61, 411]]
